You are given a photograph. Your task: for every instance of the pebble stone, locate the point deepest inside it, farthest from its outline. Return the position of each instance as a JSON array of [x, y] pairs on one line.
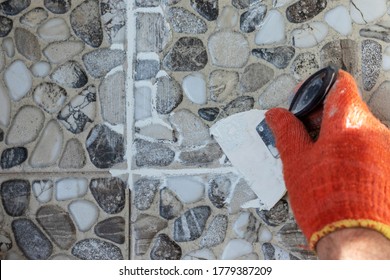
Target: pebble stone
[[280, 57], [27, 44], [209, 114], [272, 31], [80, 111], [58, 225], [241, 4], [169, 94], [6, 25], [219, 189], [18, 80], [277, 215], [155, 30], [145, 190], [380, 31], [15, 196], [223, 47], [305, 10], [247, 226], [191, 224], [364, 12], [99, 62], [86, 24], [206, 8], [43, 190], [142, 103], [49, 146], [5, 242], [40, 69], [34, 17], [251, 19], [54, 29], [153, 154], [188, 189], [85, 214], [50, 97], [31, 240], [8, 45], [96, 249], [112, 229], [145, 228], [157, 132], [5, 105], [105, 146], [13, 157], [236, 248], [187, 54], [194, 87], [216, 232], [73, 156], [170, 206], [2, 60], [60, 52], [183, 21], [340, 20], [274, 252], [222, 84], [26, 126], [152, 3], [58, 6], [380, 101], [228, 18], [309, 35], [202, 254], [113, 16], [146, 69], [14, 7], [70, 75], [165, 248], [70, 188], [1, 135], [371, 63], [201, 157], [304, 65], [238, 105], [109, 193], [255, 76]]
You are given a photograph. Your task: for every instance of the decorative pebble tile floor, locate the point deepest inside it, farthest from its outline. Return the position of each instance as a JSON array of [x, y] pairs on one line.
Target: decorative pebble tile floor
[[105, 109]]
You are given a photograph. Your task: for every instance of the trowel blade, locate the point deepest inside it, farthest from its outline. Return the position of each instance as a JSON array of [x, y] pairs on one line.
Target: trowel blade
[[245, 149]]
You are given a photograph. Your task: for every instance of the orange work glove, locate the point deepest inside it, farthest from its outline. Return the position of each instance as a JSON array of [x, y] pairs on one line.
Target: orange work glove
[[343, 179]]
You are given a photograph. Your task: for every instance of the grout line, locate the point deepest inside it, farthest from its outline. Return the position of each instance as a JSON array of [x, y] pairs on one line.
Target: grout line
[[192, 171]]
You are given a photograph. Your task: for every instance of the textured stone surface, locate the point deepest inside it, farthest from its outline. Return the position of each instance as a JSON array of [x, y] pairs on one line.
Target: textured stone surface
[[371, 63], [380, 101], [228, 18], [206, 8], [17, 78], [309, 35], [146, 69], [80, 111], [242, 193], [191, 224], [187, 54], [27, 44], [304, 65], [70, 188], [203, 156], [112, 98], [5, 242], [15, 196], [277, 215], [58, 6], [31, 240], [114, 19], [169, 94], [109, 194], [273, 252], [216, 232], [96, 249], [251, 19], [6, 25], [43, 190], [145, 228], [247, 226], [34, 17], [86, 24], [183, 21], [165, 248], [255, 76], [238, 105], [170, 205], [50, 97], [1, 135], [202, 254], [12, 157], [14, 7], [73, 155], [305, 10], [280, 57], [380, 31], [105, 147], [112, 229], [58, 225], [70, 74], [99, 62], [154, 30], [60, 52], [219, 189], [84, 213], [208, 114], [222, 84], [145, 190], [54, 29], [153, 154]]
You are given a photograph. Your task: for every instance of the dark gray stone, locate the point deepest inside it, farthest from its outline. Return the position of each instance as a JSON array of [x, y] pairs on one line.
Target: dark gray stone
[[242, 4], [12, 157], [277, 215], [58, 6], [31, 240], [153, 30], [144, 230], [58, 225], [280, 57], [153, 154], [371, 63], [304, 65], [99, 62], [5, 26], [27, 44], [50, 97], [169, 95], [255, 76], [73, 156], [191, 224], [109, 194], [206, 8], [96, 249], [219, 190], [14, 7], [209, 114], [216, 232], [187, 54], [147, 3], [112, 229], [165, 249], [170, 205], [341, 53], [114, 18], [1, 135], [305, 10], [251, 19], [70, 74], [105, 147], [145, 190], [183, 21], [201, 156], [15, 196], [238, 105], [273, 252], [146, 69], [85, 22]]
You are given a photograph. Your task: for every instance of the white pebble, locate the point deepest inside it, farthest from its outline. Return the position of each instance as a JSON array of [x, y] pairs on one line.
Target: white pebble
[[71, 188], [241, 225], [9, 47], [18, 79], [188, 189], [54, 29], [363, 11], [272, 29], [142, 103], [339, 19], [40, 69], [194, 86], [309, 35], [264, 235], [236, 248], [43, 190], [84, 213]]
